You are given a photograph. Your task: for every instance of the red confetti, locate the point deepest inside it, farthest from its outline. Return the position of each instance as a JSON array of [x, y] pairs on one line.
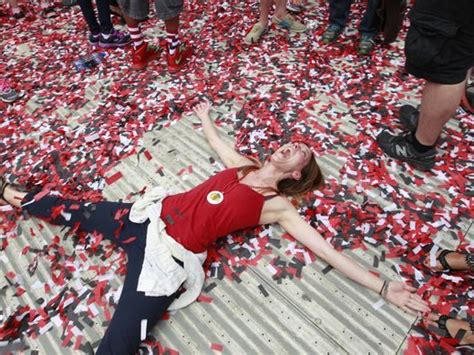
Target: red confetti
[[111, 179]]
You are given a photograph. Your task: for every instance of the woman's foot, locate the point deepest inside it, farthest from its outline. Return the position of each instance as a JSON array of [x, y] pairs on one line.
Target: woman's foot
[[9, 195], [454, 328], [449, 260], [3, 187]]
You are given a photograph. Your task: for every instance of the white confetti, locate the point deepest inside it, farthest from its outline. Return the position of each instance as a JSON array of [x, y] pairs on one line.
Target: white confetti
[[143, 325], [377, 305]]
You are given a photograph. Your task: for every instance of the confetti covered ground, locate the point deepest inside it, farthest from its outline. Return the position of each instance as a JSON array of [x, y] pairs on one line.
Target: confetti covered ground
[[112, 132]]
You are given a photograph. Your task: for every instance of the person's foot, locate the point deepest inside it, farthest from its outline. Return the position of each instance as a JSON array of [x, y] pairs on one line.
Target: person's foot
[[402, 148], [366, 44], [409, 116], [18, 14], [289, 23], [454, 328], [449, 260], [332, 32], [3, 186], [257, 31], [179, 59], [144, 54], [290, 6], [49, 12], [94, 39], [7, 94], [114, 39], [467, 101]]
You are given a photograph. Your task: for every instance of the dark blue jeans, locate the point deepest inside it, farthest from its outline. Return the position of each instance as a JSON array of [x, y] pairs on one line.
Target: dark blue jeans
[[111, 220], [339, 14], [103, 10]]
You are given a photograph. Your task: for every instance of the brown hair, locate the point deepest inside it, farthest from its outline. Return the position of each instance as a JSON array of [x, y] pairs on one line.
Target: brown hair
[[311, 179]]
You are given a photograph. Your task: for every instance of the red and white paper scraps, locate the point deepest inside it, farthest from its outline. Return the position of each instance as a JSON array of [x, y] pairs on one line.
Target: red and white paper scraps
[[71, 128]]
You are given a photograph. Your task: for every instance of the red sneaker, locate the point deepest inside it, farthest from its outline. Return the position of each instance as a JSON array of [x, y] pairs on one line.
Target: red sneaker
[[143, 55], [178, 60]]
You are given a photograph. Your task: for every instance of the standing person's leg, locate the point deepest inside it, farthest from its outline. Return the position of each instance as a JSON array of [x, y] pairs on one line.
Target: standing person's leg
[[261, 27], [438, 104], [369, 27], [109, 37], [89, 15], [134, 11], [177, 52], [281, 18], [338, 16], [442, 56], [103, 12], [16, 10], [284, 20]]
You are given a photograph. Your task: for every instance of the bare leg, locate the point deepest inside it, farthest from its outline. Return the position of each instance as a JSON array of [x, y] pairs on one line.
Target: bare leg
[[438, 103], [14, 5], [280, 9], [172, 25], [131, 22], [13, 197], [265, 7]]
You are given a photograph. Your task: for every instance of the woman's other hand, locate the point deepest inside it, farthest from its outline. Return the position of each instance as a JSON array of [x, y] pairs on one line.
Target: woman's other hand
[[202, 110]]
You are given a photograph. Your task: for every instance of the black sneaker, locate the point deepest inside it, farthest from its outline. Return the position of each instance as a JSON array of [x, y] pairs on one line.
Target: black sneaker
[[19, 15], [401, 148], [114, 39], [409, 116], [94, 39], [332, 32], [366, 44]]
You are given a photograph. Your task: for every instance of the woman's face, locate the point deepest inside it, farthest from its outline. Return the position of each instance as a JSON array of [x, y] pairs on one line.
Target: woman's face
[[291, 157]]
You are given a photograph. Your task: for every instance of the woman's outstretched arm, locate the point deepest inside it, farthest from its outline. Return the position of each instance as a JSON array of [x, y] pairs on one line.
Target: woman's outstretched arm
[[226, 153], [397, 293]]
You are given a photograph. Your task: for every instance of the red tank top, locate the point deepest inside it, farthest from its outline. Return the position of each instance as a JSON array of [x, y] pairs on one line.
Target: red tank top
[[213, 209]]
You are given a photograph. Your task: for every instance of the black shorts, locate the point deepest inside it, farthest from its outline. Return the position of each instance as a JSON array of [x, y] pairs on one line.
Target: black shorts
[[440, 42]]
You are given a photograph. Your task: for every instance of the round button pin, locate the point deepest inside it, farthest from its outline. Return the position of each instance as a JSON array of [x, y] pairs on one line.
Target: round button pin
[[215, 197]]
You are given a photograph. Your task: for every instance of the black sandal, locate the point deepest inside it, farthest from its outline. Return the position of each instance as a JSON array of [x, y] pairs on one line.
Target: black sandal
[[441, 322], [470, 265], [442, 259], [447, 268]]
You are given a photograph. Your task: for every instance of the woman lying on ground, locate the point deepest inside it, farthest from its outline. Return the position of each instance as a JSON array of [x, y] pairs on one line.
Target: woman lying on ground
[[166, 236]]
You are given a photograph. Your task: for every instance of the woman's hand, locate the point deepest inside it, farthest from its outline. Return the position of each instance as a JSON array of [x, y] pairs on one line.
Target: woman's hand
[[403, 296], [202, 110]]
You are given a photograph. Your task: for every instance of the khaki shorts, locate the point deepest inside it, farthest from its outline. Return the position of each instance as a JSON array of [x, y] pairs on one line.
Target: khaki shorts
[[138, 9]]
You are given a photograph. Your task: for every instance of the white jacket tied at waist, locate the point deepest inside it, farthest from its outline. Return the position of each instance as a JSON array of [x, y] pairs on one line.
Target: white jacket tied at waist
[[160, 274]]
